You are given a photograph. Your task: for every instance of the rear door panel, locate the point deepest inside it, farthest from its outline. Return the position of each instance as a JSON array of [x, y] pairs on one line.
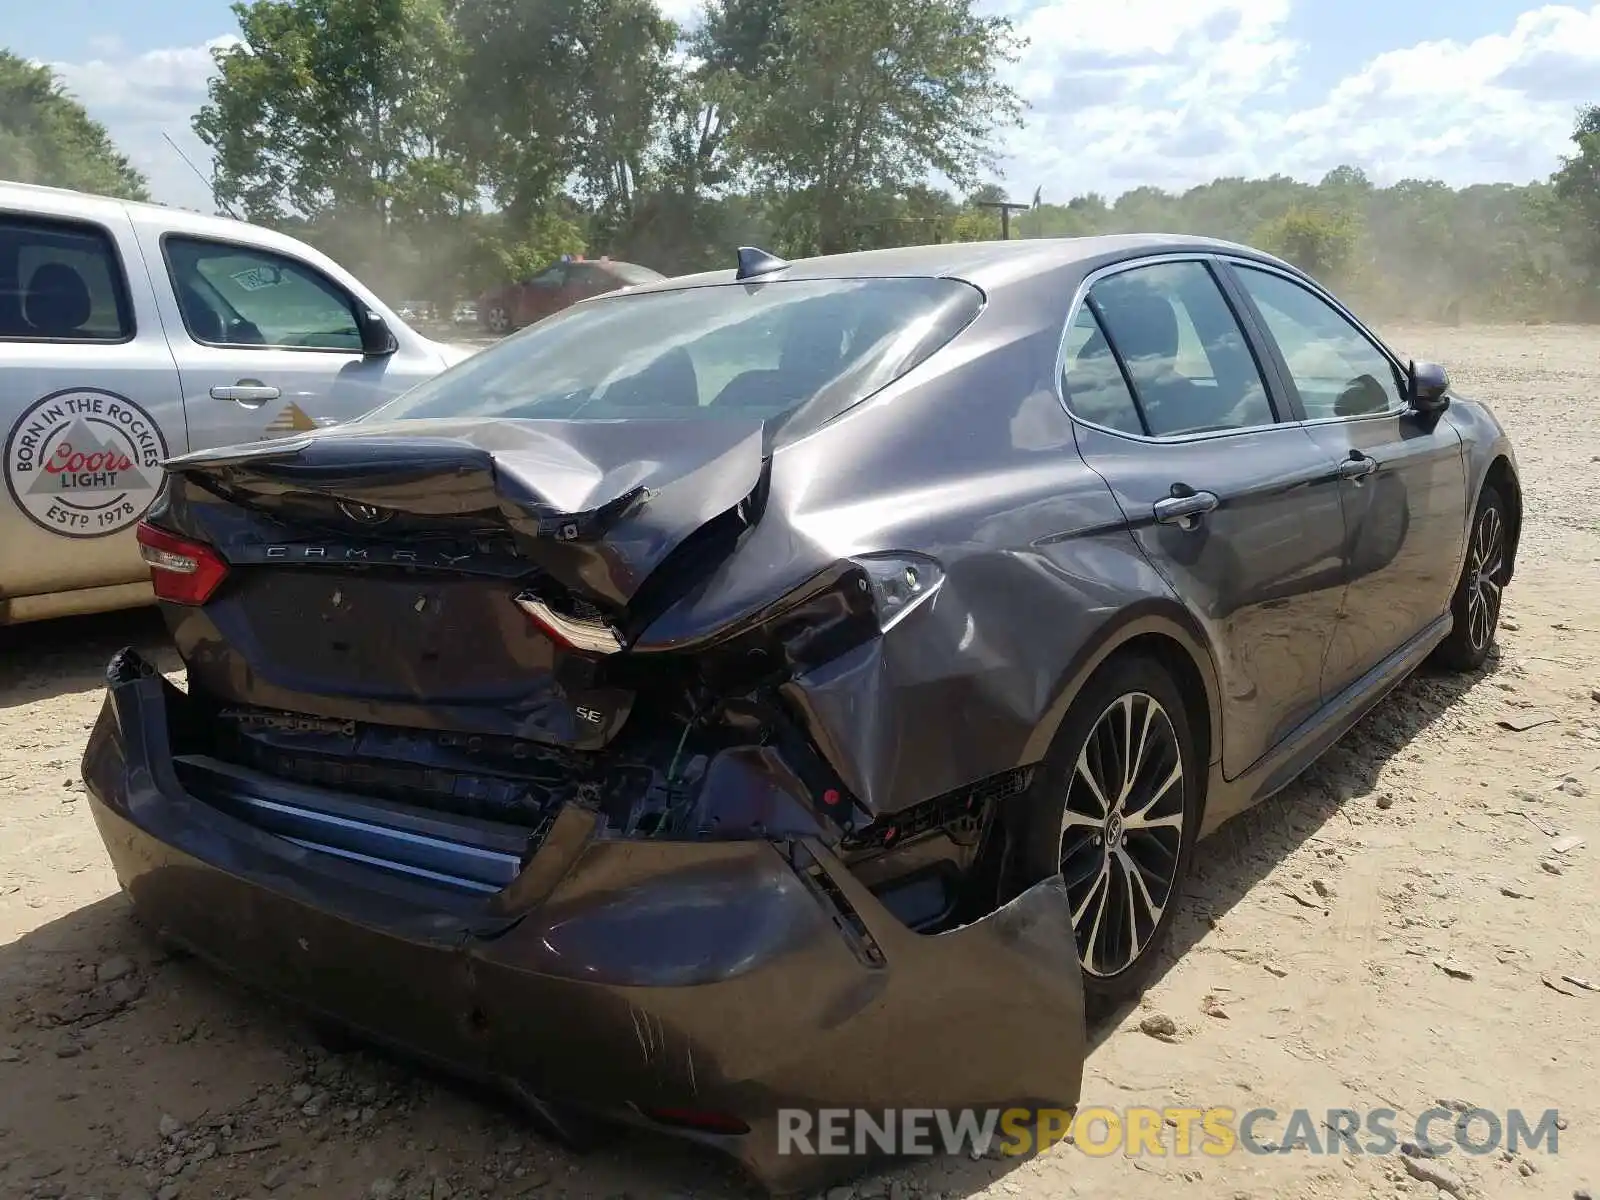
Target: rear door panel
[[85, 418], [1263, 573]]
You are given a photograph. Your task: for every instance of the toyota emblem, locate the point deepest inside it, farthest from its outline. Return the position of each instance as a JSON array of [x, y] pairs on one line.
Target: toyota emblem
[[364, 514]]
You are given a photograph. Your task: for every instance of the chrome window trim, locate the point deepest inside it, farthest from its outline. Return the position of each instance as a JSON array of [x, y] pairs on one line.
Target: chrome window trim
[[1327, 298], [1206, 259]]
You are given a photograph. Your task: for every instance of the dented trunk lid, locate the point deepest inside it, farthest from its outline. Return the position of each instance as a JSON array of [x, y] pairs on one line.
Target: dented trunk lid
[[596, 504], [375, 572]]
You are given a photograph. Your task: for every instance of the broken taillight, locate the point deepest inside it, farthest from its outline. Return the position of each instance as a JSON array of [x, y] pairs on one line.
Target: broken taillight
[[593, 637], [181, 571]]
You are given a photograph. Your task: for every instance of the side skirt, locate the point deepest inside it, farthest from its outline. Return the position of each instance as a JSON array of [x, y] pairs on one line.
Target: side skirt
[[1285, 762]]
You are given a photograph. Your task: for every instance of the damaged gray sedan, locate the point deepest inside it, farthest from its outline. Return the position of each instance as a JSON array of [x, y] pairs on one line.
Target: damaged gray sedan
[[725, 696]]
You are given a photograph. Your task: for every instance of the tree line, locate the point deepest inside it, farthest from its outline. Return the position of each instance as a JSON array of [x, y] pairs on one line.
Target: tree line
[[438, 146], [450, 140]]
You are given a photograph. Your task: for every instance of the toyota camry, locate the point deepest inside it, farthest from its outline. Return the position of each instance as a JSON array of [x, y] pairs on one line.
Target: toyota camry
[[730, 694]]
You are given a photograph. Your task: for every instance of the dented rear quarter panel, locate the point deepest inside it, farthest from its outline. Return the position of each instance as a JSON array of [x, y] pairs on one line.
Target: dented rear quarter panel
[[970, 458]]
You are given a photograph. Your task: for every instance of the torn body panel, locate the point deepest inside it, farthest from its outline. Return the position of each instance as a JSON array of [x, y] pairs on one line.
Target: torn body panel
[[975, 681], [598, 505], [623, 977]]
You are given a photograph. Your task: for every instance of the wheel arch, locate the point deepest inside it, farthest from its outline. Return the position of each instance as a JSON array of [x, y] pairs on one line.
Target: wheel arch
[[1502, 475], [1166, 633]]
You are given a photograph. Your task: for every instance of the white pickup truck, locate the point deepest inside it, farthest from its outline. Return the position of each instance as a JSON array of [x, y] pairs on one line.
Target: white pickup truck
[[130, 333]]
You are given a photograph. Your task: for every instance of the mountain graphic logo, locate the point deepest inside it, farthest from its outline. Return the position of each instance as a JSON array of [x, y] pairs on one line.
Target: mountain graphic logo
[[81, 461], [293, 419]]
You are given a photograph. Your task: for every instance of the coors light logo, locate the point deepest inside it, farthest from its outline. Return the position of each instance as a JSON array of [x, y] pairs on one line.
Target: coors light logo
[[84, 463]]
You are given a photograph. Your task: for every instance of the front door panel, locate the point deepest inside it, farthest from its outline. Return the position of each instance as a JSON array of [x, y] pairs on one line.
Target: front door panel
[[1403, 477], [1407, 536], [266, 345]]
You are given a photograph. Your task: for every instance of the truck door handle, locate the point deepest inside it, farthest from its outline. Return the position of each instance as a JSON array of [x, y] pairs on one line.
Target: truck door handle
[[1357, 466], [1185, 511], [247, 392]]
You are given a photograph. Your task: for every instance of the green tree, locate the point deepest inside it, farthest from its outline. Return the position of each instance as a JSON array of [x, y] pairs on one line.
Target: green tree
[[1320, 241], [47, 137], [870, 97], [339, 112], [563, 91], [1573, 208], [329, 104]]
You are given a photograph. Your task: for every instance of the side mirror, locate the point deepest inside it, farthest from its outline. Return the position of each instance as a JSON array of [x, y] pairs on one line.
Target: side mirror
[[1428, 385], [376, 340]]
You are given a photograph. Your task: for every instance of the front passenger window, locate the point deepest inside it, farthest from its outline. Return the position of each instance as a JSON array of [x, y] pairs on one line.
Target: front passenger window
[[1192, 370], [243, 296], [1336, 370]]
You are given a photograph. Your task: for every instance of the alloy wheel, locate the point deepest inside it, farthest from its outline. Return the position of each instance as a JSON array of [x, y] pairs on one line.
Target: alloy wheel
[[1122, 832], [499, 320], [1486, 563]]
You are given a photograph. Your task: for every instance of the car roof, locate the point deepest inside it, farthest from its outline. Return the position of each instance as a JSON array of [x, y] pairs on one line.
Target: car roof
[[38, 199], [981, 263]]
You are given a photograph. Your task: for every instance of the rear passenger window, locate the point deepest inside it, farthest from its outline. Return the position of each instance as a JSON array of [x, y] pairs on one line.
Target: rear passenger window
[[1192, 370], [61, 282], [1092, 381]]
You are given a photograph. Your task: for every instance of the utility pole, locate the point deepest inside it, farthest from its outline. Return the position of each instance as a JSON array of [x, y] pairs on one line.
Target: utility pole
[[1006, 207]]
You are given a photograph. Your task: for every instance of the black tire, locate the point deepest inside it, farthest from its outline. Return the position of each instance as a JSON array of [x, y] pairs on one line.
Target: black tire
[[1093, 858], [1484, 574], [497, 320]]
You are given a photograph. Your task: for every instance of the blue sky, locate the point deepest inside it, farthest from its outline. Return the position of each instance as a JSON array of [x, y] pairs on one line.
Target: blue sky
[[1165, 92]]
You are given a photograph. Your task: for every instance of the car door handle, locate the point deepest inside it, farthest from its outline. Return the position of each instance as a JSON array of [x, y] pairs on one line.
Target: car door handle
[[246, 393], [1183, 511], [1357, 466]]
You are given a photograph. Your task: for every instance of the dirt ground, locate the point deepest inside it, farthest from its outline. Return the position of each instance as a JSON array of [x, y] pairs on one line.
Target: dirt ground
[[1308, 969]]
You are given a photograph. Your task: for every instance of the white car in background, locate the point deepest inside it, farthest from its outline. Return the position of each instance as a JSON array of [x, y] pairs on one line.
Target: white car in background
[[130, 333]]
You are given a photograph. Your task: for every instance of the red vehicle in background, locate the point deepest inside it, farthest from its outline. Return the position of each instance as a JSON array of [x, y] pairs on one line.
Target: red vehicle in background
[[514, 305]]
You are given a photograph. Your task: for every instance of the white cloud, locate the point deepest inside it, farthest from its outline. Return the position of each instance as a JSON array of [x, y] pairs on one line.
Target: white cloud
[[1500, 107], [1123, 94], [1150, 92], [140, 97]]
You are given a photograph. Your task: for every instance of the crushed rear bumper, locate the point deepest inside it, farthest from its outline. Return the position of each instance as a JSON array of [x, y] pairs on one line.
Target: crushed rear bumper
[[623, 978]]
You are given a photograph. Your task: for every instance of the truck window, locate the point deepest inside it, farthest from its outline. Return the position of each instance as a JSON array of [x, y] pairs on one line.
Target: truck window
[[233, 295], [61, 282]]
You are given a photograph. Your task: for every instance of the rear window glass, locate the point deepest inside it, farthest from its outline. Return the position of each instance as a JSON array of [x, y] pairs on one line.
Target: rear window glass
[[61, 282], [631, 274], [743, 350]]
